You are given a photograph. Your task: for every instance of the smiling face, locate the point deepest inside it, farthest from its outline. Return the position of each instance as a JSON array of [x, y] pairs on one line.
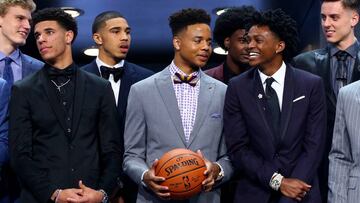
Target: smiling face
[[113, 40], [15, 26], [237, 47], [264, 48], [193, 46], [338, 23]]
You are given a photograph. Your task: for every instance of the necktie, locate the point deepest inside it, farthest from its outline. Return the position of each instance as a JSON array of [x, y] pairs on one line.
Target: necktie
[[191, 79], [8, 73], [341, 75], [106, 71], [274, 107]]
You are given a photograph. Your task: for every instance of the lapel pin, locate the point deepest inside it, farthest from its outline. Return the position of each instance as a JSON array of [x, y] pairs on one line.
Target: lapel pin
[[260, 96]]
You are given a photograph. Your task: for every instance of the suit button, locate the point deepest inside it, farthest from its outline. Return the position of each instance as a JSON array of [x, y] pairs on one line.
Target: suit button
[[69, 130], [72, 170], [71, 146], [64, 103], [277, 155]]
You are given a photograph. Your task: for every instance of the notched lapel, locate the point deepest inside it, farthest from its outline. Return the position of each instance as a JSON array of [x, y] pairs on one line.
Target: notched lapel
[[167, 92], [288, 97], [78, 99], [126, 82], [323, 62]]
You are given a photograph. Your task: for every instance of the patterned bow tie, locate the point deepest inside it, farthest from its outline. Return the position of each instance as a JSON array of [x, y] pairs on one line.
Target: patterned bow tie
[[191, 79], [106, 71]]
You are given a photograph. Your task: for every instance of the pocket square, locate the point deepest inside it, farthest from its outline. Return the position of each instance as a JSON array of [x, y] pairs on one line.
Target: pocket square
[[299, 98], [215, 115]]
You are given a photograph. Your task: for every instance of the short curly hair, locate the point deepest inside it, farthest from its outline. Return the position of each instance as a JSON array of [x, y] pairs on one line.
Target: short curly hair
[[64, 19], [185, 17], [231, 20], [283, 26]]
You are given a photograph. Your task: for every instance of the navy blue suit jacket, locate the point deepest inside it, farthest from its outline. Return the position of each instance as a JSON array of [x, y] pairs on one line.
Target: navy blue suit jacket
[[250, 140]]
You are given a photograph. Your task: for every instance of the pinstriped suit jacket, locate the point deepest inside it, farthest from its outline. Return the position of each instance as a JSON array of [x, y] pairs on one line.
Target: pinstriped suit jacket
[[344, 169]]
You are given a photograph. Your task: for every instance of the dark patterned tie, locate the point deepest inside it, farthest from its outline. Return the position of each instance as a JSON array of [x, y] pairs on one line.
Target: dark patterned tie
[[106, 71], [274, 107], [191, 79], [341, 75], [8, 73]]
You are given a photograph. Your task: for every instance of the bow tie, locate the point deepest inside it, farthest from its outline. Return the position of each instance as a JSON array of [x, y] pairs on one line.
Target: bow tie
[[106, 71], [54, 72], [191, 79]]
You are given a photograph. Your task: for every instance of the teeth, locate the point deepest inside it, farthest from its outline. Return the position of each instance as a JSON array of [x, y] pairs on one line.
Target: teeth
[[253, 54]]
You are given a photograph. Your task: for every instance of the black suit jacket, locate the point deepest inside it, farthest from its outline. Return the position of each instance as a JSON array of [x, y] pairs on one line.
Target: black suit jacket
[[45, 155]]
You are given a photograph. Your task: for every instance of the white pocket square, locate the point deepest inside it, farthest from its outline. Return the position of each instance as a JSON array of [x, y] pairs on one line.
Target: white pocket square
[[299, 98]]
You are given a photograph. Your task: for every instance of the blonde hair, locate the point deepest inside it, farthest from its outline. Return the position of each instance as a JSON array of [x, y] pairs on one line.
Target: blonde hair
[[25, 4]]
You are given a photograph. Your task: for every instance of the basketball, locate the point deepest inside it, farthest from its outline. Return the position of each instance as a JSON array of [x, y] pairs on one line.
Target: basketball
[[183, 171]]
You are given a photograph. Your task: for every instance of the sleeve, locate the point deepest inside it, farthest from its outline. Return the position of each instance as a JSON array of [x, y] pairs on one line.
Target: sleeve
[[224, 160], [243, 158], [340, 157], [135, 138], [111, 142]]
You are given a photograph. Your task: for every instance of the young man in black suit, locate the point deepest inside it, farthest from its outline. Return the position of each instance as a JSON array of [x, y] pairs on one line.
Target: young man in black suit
[[63, 131], [111, 33]]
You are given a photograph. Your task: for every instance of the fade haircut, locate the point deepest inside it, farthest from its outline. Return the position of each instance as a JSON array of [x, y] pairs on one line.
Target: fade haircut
[[25, 4], [231, 20], [283, 26], [64, 19], [100, 19], [350, 4], [185, 17]]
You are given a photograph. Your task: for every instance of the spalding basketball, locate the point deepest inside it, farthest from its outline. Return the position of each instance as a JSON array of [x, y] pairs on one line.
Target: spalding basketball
[[183, 171]]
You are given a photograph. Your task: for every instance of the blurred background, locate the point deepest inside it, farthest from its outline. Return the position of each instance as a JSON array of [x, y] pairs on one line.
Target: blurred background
[[151, 44]]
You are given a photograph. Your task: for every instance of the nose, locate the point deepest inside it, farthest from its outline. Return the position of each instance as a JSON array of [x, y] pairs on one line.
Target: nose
[[206, 46], [325, 22], [124, 36], [251, 44], [26, 24], [40, 39]]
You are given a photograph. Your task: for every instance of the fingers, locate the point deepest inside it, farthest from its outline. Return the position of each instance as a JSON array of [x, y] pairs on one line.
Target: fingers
[[155, 164], [81, 185]]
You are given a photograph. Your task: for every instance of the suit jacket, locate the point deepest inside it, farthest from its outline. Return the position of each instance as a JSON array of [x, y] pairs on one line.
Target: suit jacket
[[251, 142], [153, 127], [4, 98], [216, 72], [46, 155], [344, 170]]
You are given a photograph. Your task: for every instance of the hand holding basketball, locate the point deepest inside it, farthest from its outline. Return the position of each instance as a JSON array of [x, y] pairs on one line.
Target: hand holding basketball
[[154, 182], [212, 171]]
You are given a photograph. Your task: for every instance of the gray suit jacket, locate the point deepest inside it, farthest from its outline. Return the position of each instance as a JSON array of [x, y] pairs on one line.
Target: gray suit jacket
[[153, 126], [344, 169]]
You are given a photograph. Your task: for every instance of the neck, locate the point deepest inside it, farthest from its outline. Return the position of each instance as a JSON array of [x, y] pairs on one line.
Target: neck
[[344, 44], [236, 68], [107, 59], [6, 47], [62, 62], [184, 67], [270, 68]]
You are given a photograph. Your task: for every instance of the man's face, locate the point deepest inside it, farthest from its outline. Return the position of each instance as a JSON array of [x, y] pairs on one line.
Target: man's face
[[15, 25], [264, 46], [338, 22], [237, 46], [114, 38], [193, 45], [51, 40]]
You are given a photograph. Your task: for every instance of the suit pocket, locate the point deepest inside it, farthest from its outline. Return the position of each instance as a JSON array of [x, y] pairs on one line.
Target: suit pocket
[[352, 182]]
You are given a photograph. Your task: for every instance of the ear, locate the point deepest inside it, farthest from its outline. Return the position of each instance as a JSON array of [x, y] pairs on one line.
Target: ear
[[227, 43], [69, 36], [354, 19], [97, 38], [280, 47], [176, 43]]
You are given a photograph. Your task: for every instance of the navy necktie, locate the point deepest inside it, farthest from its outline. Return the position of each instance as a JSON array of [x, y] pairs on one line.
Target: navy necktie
[[274, 107], [8, 73]]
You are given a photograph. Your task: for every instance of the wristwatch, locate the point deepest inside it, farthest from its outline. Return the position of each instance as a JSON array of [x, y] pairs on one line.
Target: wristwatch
[[221, 173], [105, 199]]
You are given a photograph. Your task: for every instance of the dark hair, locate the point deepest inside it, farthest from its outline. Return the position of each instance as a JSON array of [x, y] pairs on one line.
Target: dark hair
[[102, 18], [231, 20], [283, 26], [56, 14], [185, 17], [352, 4]]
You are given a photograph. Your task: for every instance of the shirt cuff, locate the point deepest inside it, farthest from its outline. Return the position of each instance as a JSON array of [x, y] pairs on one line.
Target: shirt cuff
[[142, 178], [275, 181], [221, 173]]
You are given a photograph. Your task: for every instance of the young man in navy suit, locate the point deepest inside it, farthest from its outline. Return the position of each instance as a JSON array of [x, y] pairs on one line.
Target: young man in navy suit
[[275, 118], [111, 33]]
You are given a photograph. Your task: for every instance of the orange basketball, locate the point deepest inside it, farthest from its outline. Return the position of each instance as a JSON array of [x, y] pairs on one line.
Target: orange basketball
[[184, 172]]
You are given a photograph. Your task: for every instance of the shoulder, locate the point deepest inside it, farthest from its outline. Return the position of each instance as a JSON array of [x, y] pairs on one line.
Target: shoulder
[[138, 70], [350, 89], [32, 60], [310, 54], [213, 80], [92, 78], [215, 69], [88, 66]]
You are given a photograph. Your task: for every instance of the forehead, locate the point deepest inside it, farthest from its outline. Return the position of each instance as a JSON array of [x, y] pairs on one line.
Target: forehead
[[18, 10], [333, 7], [200, 30], [262, 30], [239, 33], [116, 22], [47, 24]]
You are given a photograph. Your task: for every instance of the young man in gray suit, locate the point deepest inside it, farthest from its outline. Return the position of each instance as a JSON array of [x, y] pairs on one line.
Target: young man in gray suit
[[344, 157], [179, 107]]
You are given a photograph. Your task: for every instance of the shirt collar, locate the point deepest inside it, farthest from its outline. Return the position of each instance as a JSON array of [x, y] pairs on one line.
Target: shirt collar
[[99, 63], [351, 50], [174, 69], [279, 75], [15, 56]]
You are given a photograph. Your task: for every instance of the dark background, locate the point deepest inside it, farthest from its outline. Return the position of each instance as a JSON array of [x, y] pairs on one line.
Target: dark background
[[151, 44]]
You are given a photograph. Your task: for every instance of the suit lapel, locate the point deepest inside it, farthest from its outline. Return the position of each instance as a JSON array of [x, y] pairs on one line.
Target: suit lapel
[[93, 68], [206, 92], [54, 102], [356, 71], [323, 60], [167, 92], [126, 81], [27, 67], [78, 99], [287, 103], [261, 104]]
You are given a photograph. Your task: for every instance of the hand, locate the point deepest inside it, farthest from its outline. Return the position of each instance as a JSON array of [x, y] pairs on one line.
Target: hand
[[212, 171], [294, 188], [75, 194], [89, 195], [153, 182]]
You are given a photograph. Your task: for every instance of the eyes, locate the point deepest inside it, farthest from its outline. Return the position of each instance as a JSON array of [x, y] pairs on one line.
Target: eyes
[[46, 32], [199, 40], [117, 31], [333, 17]]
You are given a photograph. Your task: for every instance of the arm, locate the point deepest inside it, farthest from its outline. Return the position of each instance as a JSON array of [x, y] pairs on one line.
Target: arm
[[340, 157], [111, 142], [237, 139]]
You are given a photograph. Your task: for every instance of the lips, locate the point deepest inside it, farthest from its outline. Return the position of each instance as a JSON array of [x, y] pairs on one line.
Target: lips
[[203, 57], [23, 33], [253, 55], [329, 33], [44, 49], [124, 48]]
